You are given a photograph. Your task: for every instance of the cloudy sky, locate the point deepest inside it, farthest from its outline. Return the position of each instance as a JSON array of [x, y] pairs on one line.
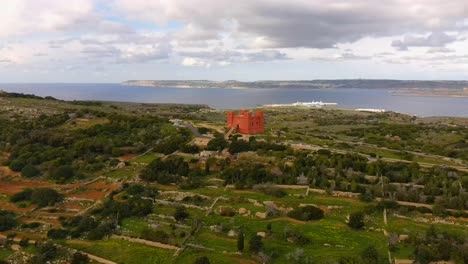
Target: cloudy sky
[[117, 40]]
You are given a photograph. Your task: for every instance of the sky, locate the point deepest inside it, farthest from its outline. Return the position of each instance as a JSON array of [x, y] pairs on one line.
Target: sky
[[246, 40]]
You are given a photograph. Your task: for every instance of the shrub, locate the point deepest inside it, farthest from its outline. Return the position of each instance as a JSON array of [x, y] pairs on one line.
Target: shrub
[[155, 235], [7, 220], [370, 255], [79, 258], [57, 233], [202, 260], [45, 197], [218, 143], [356, 220], [255, 244], [24, 242], [63, 174], [29, 171], [306, 213], [180, 213], [240, 242], [42, 196]]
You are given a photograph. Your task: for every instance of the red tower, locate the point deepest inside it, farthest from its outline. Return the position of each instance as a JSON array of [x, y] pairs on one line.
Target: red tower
[[246, 122]]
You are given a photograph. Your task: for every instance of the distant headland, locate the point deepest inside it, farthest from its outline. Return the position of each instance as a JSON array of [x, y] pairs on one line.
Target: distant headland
[[403, 87]]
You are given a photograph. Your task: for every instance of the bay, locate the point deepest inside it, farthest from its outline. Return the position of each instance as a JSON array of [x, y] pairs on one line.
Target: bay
[[249, 98]]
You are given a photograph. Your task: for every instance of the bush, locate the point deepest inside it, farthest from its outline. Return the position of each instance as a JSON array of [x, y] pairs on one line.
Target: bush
[[356, 220], [202, 260], [45, 253], [24, 242], [370, 255], [42, 196], [255, 244], [79, 258], [155, 235], [57, 233], [100, 232], [45, 197], [306, 213], [218, 144], [295, 236], [24, 195], [180, 213], [7, 220], [29, 171], [63, 174]]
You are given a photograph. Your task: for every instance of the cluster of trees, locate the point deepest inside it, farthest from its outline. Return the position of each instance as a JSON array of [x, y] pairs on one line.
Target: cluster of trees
[[41, 146], [245, 175], [134, 200], [82, 226], [412, 138], [22, 95], [41, 196], [47, 252], [439, 246], [239, 145], [165, 171]]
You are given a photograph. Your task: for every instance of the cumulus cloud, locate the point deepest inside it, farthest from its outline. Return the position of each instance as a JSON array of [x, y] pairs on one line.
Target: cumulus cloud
[[189, 61], [212, 33], [437, 39], [20, 17], [302, 23]]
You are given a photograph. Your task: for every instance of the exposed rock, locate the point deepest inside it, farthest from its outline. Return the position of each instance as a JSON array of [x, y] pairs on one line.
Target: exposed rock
[[232, 233], [261, 215]]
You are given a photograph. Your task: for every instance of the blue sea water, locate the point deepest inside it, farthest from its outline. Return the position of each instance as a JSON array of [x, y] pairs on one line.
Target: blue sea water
[[247, 98]]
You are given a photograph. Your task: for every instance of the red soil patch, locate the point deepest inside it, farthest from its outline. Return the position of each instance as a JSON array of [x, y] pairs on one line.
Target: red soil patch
[[95, 191], [53, 222], [243, 192], [101, 185], [127, 157], [14, 208], [13, 186], [93, 195]]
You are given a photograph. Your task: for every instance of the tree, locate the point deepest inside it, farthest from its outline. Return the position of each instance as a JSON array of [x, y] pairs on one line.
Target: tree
[[356, 220], [63, 174], [7, 220], [306, 213], [180, 213], [255, 244], [370, 255], [217, 143], [240, 242], [202, 260], [57, 233], [79, 258], [41, 196], [29, 171], [45, 197]]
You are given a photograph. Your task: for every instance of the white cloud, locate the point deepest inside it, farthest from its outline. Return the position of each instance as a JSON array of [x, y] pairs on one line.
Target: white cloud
[[54, 34], [20, 17], [193, 62]]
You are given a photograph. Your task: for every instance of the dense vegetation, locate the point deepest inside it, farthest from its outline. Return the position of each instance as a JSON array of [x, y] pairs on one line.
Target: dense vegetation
[[124, 169]]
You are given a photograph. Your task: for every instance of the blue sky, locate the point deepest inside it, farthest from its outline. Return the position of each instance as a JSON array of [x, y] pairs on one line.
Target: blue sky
[[117, 40]]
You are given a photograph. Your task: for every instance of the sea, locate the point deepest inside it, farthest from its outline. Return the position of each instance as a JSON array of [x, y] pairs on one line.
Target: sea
[[222, 98]]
